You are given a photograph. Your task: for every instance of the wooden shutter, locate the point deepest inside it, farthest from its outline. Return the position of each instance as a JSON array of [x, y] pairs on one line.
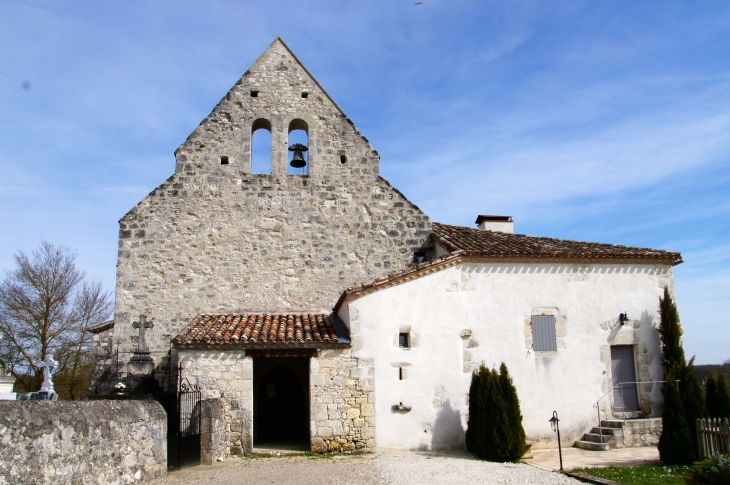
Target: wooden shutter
[[543, 333]]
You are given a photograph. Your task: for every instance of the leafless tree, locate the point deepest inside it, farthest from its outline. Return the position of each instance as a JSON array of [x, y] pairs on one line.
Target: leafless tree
[[45, 309]]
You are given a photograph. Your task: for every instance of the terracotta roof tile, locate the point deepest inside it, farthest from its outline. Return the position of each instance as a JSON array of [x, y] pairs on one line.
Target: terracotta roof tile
[[466, 244], [479, 242], [260, 330]]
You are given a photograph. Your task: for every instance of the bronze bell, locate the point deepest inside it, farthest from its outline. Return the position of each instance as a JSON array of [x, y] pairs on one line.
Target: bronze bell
[[297, 160]]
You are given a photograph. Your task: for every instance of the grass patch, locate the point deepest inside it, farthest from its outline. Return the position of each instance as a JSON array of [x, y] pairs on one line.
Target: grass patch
[[322, 456], [640, 475]]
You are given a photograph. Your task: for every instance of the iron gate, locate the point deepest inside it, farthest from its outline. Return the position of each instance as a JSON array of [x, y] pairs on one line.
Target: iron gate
[[183, 425]]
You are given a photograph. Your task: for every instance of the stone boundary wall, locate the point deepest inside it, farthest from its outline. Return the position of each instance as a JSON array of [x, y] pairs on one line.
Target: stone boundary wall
[[639, 433], [110, 442]]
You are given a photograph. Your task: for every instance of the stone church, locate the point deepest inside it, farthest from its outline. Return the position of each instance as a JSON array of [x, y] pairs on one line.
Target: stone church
[[328, 312]]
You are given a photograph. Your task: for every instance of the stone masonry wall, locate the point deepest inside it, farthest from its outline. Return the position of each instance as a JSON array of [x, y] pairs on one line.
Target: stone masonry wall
[[341, 399], [104, 367], [112, 442], [226, 375], [343, 402], [639, 433], [216, 238]]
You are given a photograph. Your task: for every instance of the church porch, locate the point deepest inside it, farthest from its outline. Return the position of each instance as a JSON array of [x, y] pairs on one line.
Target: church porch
[[297, 389]]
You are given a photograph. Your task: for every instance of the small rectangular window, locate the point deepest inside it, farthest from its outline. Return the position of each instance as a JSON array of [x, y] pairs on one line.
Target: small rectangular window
[[254, 93], [543, 333], [404, 341], [419, 256], [401, 373], [224, 160]]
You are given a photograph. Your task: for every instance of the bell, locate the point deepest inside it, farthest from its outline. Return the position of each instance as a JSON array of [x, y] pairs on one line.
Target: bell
[[297, 160]]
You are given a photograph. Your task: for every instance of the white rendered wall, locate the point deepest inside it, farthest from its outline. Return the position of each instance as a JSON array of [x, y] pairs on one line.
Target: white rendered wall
[[471, 313]]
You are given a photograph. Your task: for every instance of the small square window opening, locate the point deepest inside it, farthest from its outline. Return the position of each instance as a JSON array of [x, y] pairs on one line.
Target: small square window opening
[[305, 94], [224, 160], [404, 341], [419, 256], [254, 93]]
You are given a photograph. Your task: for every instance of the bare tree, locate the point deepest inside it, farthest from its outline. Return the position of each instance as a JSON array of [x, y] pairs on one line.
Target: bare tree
[[45, 309]]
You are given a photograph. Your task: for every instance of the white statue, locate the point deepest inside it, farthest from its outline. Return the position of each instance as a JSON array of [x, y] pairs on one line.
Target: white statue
[[49, 367]]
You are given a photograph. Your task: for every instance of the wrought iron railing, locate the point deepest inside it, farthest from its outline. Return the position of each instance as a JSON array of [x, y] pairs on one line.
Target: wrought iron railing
[[621, 386]]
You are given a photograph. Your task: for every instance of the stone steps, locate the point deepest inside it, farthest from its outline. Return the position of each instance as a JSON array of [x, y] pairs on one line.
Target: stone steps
[[601, 438], [619, 433], [589, 445]]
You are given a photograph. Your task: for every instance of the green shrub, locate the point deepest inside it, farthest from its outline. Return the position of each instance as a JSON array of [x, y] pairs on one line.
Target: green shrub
[[670, 333], [683, 406], [693, 402], [713, 471], [718, 398], [675, 440], [494, 429]]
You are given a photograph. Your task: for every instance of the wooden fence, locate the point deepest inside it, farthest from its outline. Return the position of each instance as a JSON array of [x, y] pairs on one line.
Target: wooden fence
[[713, 436]]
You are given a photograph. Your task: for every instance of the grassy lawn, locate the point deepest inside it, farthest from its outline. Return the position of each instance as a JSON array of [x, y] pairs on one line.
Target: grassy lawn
[[640, 475]]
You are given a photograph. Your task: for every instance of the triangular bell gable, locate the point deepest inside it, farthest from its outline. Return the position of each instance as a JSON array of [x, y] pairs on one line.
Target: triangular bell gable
[[277, 93]]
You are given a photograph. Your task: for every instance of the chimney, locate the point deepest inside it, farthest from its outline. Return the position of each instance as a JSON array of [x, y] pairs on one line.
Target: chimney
[[496, 223]]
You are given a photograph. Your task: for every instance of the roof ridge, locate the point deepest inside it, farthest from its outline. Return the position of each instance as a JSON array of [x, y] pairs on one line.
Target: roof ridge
[[543, 238]]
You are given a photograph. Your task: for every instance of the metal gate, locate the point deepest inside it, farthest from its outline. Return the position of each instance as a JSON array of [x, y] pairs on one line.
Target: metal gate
[[183, 425]]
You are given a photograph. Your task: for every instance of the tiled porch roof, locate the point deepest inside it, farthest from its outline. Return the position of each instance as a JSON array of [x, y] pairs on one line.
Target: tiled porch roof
[[261, 330]]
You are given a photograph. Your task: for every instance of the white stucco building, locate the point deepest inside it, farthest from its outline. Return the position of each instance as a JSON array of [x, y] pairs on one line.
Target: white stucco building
[[428, 328]]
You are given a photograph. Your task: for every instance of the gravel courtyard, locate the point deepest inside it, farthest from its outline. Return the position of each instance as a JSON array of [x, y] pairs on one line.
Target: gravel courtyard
[[381, 468]]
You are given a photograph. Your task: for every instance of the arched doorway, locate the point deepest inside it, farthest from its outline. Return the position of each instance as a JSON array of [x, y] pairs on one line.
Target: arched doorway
[[281, 403]]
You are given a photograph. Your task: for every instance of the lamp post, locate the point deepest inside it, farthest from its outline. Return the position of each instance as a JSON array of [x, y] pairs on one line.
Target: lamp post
[[556, 427]]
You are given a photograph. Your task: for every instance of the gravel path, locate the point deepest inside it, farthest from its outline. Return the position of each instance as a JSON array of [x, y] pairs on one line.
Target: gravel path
[[422, 468], [381, 468]]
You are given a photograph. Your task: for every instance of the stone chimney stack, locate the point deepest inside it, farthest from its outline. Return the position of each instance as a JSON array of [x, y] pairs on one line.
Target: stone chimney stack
[[496, 223]]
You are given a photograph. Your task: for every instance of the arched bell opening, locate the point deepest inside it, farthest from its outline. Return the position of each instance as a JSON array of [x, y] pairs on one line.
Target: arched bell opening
[[298, 144], [261, 158]]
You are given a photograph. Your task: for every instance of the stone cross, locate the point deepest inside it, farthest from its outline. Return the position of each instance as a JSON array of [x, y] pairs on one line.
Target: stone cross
[[142, 324], [49, 366]]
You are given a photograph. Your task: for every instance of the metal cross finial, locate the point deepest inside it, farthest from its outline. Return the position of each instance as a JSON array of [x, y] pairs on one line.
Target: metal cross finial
[[142, 324], [49, 366]]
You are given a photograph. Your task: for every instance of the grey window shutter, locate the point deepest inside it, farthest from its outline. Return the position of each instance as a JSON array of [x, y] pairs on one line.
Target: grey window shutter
[[543, 333]]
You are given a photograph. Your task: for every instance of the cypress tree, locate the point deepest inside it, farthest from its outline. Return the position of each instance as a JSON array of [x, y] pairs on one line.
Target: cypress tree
[[494, 429], [474, 390], [711, 395], [681, 407], [483, 430], [670, 333], [722, 403], [674, 441], [693, 402], [516, 435]]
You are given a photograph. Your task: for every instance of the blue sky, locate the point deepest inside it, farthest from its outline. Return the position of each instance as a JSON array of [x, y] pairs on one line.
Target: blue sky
[[602, 121]]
